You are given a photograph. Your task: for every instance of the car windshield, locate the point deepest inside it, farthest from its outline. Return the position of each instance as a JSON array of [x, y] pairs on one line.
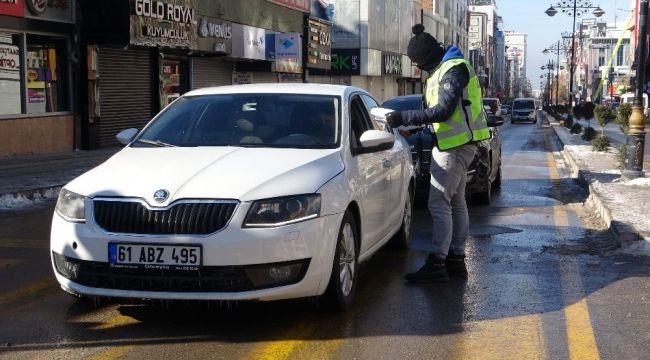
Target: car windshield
[[524, 104], [403, 103], [251, 120]]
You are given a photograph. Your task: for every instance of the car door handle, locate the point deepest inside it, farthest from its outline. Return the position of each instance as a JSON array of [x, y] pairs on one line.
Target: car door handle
[[386, 163]]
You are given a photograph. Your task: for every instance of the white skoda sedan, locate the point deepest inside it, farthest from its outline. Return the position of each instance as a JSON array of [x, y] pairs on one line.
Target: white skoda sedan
[[245, 192]]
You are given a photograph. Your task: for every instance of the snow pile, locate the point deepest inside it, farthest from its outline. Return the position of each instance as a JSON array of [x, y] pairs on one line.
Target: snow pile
[[638, 182], [12, 201]]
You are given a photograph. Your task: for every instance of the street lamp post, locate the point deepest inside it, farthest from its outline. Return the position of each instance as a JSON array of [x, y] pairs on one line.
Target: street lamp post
[[579, 8], [636, 133], [550, 66], [557, 49]]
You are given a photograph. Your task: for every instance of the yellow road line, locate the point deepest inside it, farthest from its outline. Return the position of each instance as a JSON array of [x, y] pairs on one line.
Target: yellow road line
[[116, 321], [298, 340], [580, 334], [519, 337], [111, 353], [25, 291]]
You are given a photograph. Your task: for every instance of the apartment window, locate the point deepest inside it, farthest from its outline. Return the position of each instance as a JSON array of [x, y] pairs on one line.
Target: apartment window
[[39, 86], [601, 57], [619, 56]]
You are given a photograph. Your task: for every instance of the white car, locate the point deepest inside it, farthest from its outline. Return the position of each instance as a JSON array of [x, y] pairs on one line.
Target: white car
[[244, 192]]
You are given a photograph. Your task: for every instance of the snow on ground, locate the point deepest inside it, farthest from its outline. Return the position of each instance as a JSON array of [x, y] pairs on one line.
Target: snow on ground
[[11, 201], [638, 182]]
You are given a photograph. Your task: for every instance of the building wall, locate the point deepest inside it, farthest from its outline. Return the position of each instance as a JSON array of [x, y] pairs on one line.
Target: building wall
[[36, 135]]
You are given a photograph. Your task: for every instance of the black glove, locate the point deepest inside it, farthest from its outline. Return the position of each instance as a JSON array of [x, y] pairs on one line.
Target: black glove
[[394, 119]]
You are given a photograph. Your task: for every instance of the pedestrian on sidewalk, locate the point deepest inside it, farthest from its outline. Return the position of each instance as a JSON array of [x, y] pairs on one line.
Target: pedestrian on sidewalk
[[454, 106]]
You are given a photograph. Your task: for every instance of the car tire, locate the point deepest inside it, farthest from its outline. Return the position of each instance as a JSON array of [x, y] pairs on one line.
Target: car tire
[[483, 198], [345, 265], [402, 238]]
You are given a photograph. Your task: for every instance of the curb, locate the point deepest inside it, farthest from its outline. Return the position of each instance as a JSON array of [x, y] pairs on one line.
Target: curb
[[623, 234]]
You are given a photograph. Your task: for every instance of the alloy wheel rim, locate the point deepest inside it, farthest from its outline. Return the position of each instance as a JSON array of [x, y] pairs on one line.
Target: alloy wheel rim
[[347, 259]]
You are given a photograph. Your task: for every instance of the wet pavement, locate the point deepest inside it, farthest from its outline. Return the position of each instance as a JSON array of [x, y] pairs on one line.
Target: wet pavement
[[542, 285]]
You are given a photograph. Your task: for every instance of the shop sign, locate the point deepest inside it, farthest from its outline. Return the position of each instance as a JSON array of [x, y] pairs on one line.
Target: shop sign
[[52, 10], [391, 63], [214, 36], [319, 44], [169, 23], [284, 50], [300, 5], [239, 78], [12, 7], [346, 62], [9, 58], [248, 42]]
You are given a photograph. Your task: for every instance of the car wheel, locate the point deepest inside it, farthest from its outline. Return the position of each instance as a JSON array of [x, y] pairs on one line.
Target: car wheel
[[402, 238], [496, 184], [345, 267]]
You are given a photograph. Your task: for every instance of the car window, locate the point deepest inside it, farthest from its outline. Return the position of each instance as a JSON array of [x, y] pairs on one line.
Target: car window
[[369, 102], [359, 120], [524, 104], [259, 120]]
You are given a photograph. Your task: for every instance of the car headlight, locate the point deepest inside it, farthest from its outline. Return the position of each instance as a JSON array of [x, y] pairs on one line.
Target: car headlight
[[71, 206], [283, 211]]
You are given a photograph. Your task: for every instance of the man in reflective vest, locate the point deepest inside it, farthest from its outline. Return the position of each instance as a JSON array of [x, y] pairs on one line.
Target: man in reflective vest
[[455, 108]]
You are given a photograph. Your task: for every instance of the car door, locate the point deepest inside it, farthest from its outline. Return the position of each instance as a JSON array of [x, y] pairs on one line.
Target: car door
[[396, 168], [369, 178]]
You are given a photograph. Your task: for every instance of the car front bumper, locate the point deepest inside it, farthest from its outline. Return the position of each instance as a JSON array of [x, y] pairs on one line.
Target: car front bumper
[[231, 261]]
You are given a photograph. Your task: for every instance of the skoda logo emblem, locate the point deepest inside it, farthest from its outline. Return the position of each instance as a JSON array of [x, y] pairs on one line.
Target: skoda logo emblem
[[161, 195]]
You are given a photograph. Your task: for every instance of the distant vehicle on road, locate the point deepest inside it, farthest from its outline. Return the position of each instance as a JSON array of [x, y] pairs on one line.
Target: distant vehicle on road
[[484, 173], [523, 109], [505, 109], [628, 98]]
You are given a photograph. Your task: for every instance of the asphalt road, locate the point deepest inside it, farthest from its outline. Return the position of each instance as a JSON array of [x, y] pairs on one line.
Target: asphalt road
[[544, 284]]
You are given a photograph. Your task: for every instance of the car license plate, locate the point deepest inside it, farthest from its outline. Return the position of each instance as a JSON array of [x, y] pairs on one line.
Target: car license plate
[[155, 256]]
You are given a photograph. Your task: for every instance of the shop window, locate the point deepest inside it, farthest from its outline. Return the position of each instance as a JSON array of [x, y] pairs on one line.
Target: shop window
[[10, 102], [175, 80], [45, 75], [32, 78]]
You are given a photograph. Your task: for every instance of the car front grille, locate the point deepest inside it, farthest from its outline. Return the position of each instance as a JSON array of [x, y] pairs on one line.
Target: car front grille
[[134, 217]]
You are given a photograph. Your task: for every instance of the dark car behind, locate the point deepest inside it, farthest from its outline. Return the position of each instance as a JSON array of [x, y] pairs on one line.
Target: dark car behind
[[483, 174]]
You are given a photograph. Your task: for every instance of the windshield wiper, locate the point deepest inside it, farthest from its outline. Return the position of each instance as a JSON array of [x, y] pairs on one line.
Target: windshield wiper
[[155, 143]]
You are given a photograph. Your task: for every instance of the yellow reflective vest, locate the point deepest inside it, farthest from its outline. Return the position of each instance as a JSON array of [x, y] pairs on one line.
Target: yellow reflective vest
[[468, 122]]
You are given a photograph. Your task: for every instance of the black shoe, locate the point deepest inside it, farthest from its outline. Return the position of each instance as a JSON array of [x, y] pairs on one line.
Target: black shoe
[[456, 266], [433, 270]]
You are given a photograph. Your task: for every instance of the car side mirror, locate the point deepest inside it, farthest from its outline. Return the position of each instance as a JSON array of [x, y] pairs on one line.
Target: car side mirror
[[375, 140], [493, 121], [379, 113], [124, 137]]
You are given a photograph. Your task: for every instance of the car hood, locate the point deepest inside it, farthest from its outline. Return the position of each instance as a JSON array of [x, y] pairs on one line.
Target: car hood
[[210, 172]]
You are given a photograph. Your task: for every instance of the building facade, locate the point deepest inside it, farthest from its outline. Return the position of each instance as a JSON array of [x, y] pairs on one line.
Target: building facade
[[38, 57]]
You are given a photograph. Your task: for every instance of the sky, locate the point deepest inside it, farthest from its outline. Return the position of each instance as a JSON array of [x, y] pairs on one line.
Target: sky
[[527, 16]]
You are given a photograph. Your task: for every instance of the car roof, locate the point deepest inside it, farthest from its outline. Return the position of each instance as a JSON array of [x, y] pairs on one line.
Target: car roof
[[281, 88], [517, 99]]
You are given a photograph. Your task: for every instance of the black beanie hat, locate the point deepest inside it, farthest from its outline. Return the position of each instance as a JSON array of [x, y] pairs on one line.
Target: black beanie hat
[[424, 50]]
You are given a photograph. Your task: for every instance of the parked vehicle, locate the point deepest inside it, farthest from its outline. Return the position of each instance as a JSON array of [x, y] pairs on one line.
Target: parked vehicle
[[505, 109], [494, 104], [484, 173], [523, 109], [244, 192], [628, 98]]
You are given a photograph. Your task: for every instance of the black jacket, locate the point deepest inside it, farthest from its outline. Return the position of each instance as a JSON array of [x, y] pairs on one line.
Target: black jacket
[[453, 83]]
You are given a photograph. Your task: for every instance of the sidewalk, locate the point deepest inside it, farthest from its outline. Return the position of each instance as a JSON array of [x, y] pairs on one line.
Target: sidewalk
[[24, 179], [624, 206]]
